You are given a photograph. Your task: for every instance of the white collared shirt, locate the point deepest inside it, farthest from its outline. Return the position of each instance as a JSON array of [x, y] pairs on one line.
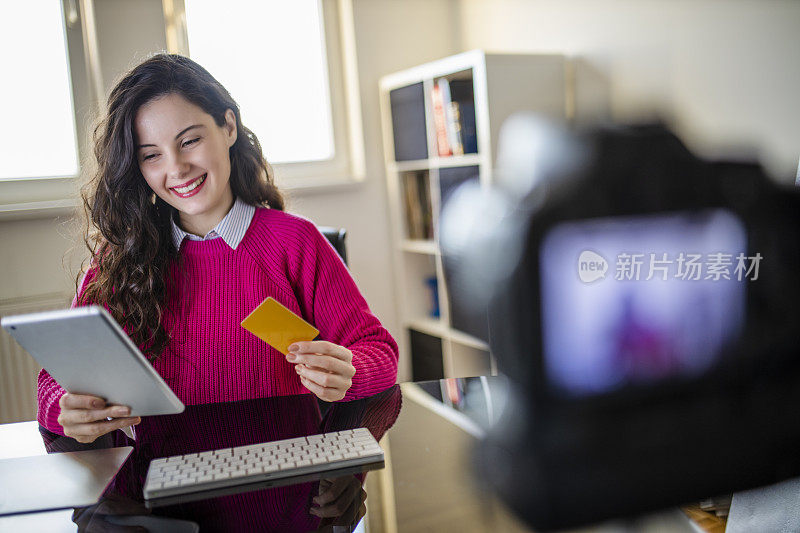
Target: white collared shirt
[[231, 228]]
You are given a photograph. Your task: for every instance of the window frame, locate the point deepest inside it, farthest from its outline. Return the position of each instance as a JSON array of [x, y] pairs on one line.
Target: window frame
[[36, 196], [348, 165]]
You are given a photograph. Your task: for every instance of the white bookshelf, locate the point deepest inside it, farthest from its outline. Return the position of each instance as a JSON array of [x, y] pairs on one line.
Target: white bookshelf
[[498, 85]]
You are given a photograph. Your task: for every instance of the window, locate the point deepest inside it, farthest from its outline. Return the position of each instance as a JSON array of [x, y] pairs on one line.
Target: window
[[39, 138], [290, 67]]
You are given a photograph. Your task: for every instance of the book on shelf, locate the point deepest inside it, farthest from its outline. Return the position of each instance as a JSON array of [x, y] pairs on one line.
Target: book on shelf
[[440, 121], [419, 215], [469, 133], [454, 117], [432, 284], [461, 92], [425, 202], [452, 125], [413, 209]]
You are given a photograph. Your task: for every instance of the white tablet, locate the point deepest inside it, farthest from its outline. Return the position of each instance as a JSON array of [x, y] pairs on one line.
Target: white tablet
[[87, 352]]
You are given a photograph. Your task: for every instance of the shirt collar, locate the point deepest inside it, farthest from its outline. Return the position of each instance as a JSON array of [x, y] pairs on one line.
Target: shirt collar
[[231, 228]]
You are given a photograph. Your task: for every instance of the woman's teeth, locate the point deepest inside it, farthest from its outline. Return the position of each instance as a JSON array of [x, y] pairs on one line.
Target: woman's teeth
[[191, 186]]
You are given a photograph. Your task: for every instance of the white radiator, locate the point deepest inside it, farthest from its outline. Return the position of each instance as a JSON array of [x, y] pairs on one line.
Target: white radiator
[[18, 370]]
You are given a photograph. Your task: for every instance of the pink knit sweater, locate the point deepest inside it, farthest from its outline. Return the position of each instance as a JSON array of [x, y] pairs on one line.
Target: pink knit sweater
[[211, 358]]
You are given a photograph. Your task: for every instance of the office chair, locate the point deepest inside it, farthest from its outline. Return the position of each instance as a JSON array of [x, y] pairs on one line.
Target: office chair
[[336, 237]]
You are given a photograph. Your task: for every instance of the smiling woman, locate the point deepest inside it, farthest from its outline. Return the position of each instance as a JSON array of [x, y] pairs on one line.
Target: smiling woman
[[189, 170], [187, 236]]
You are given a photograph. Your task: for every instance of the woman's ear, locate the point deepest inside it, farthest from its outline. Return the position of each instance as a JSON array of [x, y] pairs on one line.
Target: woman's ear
[[230, 127]]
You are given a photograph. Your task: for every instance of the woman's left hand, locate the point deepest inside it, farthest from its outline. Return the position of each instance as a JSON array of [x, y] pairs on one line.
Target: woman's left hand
[[326, 369]]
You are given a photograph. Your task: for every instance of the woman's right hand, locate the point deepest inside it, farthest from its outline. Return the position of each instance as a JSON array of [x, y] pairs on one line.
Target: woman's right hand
[[85, 417]]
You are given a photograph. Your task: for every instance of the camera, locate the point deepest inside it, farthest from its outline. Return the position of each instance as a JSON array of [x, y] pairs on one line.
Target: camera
[[643, 303]]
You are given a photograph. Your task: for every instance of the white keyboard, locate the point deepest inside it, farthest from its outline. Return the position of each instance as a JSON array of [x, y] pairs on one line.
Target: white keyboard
[[195, 472]]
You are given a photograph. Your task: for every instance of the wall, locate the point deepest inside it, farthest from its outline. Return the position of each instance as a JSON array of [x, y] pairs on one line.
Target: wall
[[127, 32], [32, 255], [725, 71]]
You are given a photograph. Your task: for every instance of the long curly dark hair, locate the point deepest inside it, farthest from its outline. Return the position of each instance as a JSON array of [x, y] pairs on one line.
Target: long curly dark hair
[[127, 227]]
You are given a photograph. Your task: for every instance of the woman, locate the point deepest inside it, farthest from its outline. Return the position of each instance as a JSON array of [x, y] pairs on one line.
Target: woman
[[191, 237]]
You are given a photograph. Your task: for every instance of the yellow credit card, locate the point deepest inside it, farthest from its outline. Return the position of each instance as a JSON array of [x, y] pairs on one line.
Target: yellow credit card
[[277, 326]]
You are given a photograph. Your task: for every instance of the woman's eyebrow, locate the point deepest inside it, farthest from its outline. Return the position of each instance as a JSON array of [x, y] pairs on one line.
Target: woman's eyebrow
[[184, 130]]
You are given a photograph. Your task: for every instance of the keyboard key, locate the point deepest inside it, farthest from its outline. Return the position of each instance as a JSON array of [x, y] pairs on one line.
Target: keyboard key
[[246, 449]]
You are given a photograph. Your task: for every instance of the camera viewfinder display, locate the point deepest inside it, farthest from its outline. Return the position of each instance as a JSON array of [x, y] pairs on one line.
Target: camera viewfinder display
[[632, 301]]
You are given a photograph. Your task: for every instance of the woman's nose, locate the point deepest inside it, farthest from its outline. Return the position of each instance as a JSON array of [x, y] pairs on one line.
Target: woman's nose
[[178, 168]]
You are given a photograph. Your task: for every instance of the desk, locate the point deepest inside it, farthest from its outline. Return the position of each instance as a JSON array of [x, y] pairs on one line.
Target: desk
[[427, 430]]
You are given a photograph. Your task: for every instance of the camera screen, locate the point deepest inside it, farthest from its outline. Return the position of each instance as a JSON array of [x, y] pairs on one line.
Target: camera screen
[[637, 300]]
